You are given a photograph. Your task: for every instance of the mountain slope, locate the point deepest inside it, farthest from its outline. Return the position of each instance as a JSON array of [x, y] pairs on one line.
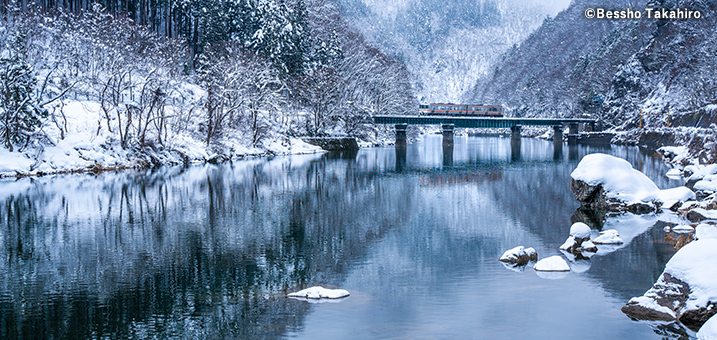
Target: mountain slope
[[612, 69]]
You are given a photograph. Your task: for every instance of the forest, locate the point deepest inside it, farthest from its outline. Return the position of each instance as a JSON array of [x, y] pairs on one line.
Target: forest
[[248, 71]]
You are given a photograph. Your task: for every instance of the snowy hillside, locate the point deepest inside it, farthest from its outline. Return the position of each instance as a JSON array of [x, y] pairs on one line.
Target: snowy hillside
[[613, 69], [89, 88], [448, 45]]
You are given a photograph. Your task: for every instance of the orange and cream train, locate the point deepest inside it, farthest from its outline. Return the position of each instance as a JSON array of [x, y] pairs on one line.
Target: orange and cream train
[[447, 109]]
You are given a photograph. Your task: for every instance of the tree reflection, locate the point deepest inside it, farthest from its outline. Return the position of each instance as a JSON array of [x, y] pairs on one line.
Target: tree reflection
[[201, 251]]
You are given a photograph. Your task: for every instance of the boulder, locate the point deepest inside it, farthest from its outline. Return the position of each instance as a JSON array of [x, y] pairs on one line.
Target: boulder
[[606, 182], [318, 292], [610, 236], [699, 214], [519, 255], [552, 264], [686, 290]]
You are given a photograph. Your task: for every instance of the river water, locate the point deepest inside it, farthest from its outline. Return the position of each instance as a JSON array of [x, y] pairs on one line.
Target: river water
[[210, 251]]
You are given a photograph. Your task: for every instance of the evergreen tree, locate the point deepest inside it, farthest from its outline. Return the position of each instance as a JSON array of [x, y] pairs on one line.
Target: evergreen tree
[[20, 114]]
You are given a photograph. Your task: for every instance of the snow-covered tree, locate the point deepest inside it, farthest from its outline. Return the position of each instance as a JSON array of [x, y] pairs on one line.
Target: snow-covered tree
[[20, 114]]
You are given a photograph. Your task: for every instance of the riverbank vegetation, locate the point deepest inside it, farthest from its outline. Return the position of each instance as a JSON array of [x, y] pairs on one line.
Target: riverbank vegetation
[[150, 83]]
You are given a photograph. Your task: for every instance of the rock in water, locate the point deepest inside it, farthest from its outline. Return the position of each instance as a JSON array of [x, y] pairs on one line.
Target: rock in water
[[686, 290], [519, 255], [610, 236], [552, 264], [580, 230], [318, 292], [606, 182]]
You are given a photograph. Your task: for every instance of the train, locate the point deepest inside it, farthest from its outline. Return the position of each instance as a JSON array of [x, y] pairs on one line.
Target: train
[[448, 109]]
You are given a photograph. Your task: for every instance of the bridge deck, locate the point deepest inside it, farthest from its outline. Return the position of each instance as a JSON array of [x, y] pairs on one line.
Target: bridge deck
[[476, 122]]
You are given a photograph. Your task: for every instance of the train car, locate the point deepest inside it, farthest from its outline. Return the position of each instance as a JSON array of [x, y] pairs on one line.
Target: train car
[[448, 109]]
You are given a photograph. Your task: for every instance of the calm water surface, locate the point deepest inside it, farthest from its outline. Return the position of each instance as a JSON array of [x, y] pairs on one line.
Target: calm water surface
[[210, 251]]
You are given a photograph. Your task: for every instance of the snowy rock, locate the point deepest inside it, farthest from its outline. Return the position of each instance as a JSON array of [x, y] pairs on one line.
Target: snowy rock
[[686, 290], [519, 255], [610, 236], [579, 239], [705, 231], [569, 244], [318, 292], [580, 230], [552, 264], [700, 214], [606, 182], [588, 246], [674, 154], [674, 173], [683, 228], [708, 331]]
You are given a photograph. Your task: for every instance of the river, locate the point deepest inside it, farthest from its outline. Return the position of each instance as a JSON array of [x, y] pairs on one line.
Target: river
[[210, 251]]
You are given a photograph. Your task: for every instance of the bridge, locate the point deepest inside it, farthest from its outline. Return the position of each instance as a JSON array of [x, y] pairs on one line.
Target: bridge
[[450, 122]]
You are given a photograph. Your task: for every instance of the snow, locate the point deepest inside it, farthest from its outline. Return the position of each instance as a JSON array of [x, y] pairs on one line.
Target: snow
[[676, 154], [701, 171], [674, 173], [580, 230], [318, 292], [620, 181], [683, 228], [513, 254], [705, 231], [708, 331], [707, 184], [13, 162], [568, 243], [588, 245], [610, 236], [695, 264], [650, 303], [710, 214], [552, 264], [87, 142]]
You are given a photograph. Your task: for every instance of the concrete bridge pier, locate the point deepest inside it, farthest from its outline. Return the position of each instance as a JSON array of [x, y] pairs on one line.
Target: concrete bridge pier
[[447, 155], [447, 134], [515, 132], [573, 133], [515, 143], [558, 135], [401, 146], [557, 142], [401, 134]]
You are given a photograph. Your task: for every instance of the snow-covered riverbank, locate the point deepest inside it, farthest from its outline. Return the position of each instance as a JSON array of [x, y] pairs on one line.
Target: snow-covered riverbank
[[85, 144]]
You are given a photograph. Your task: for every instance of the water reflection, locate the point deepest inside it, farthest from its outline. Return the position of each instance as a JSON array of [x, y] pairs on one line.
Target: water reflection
[[209, 251]]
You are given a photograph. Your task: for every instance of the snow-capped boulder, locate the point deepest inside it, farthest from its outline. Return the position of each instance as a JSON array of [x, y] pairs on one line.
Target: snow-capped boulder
[[610, 236], [318, 292], [602, 181], [686, 290], [552, 264], [700, 214], [683, 228], [519, 255], [674, 173], [580, 230], [705, 231], [579, 239], [708, 331]]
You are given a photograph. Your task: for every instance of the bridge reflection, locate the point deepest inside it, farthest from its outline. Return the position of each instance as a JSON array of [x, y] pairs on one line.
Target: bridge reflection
[[448, 145]]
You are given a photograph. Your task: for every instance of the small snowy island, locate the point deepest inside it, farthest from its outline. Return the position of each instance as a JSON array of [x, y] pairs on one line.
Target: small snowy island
[[318, 292]]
